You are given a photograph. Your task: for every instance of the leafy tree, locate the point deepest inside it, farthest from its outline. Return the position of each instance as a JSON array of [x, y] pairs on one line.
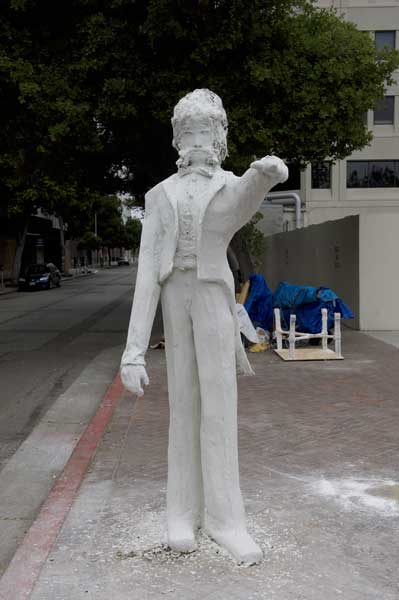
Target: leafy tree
[[53, 152], [255, 240], [295, 80], [133, 233], [110, 227], [112, 231], [90, 241], [88, 88]]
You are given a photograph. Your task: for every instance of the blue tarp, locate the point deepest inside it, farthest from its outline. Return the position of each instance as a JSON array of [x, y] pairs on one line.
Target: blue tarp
[[259, 304], [304, 300], [288, 295]]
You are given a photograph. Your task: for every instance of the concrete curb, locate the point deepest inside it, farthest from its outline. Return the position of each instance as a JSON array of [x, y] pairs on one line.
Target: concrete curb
[[63, 442], [23, 571]]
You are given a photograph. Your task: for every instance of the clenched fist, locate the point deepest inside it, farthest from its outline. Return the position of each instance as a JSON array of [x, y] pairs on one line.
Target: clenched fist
[[271, 165], [133, 378]]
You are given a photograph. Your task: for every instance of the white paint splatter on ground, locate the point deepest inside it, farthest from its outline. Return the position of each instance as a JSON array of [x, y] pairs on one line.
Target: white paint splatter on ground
[[355, 494]]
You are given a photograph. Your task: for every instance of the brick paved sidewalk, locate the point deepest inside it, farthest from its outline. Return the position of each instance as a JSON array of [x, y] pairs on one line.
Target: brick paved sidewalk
[[318, 458]]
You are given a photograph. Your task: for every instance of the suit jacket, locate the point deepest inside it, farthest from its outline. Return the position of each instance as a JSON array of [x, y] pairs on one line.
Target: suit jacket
[[228, 203]]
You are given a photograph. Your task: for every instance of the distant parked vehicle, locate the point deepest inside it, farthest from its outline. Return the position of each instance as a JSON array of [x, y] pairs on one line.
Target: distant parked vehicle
[[123, 261], [38, 277]]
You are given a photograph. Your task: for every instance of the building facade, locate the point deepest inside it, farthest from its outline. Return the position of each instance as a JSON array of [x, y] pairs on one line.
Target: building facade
[[42, 242], [368, 178]]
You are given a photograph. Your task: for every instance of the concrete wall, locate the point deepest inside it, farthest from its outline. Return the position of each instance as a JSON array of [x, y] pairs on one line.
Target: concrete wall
[[358, 257], [272, 221], [320, 255], [379, 270]]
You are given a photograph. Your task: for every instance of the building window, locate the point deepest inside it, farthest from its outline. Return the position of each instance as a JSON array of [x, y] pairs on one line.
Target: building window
[[372, 173], [321, 175], [293, 182], [384, 111], [384, 39]]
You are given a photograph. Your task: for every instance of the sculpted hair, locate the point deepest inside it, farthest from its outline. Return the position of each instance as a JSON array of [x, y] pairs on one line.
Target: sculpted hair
[[202, 103]]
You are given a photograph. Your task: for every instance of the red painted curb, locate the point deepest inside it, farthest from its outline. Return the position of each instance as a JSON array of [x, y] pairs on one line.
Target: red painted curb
[[24, 569]]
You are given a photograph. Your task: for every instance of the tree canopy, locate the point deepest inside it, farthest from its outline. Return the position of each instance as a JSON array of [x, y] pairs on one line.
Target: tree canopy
[[133, 229], [112, 230], [88, 88]]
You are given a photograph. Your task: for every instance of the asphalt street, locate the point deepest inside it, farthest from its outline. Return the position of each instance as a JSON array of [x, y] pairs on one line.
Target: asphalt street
[[48, 337]]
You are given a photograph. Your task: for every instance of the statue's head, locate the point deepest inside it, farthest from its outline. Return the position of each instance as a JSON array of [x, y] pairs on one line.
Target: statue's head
[[200, 129]]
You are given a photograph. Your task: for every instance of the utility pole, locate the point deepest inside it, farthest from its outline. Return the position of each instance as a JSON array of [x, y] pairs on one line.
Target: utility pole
[[95, 233], [62, 243]]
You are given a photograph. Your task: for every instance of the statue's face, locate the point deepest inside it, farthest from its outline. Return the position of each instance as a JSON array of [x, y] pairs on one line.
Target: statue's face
[[200, 129], [196, 139]]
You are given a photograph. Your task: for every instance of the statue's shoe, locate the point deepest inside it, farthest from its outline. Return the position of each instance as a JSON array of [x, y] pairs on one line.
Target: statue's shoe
[[239, 544], [181, 537]]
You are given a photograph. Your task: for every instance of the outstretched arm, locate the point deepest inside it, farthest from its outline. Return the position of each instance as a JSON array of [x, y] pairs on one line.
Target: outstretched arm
[[145, 302], [253, 186]]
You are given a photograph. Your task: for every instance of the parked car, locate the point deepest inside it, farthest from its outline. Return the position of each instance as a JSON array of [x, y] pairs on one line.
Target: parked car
[[40, 277], [123, 261]]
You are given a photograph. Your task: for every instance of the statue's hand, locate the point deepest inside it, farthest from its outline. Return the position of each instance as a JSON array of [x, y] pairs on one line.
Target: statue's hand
[[271, 166], [133, 378]]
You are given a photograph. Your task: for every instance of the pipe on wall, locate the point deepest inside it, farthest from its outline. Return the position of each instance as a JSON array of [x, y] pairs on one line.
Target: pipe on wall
[[285, 198]]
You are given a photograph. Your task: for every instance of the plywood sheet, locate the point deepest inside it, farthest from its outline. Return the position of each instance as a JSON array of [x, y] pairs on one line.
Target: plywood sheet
[[242, 298], [309, 354]]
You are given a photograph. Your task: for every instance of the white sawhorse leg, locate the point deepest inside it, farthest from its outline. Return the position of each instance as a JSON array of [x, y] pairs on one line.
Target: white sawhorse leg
[[279, 335], [324, 330], [291, 337], [337, 334]]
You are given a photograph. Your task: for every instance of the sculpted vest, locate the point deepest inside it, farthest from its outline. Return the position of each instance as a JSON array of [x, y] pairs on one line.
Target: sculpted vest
[[188, 209]]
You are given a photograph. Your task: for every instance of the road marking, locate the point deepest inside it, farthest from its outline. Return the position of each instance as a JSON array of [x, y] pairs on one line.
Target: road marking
[[24, 569]]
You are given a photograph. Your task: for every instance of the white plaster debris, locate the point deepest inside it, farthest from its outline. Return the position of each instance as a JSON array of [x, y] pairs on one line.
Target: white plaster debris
[[139, 546], [355, 494]]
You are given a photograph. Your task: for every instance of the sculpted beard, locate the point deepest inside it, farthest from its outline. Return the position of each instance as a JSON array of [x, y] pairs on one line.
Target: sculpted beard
[[205, 156]]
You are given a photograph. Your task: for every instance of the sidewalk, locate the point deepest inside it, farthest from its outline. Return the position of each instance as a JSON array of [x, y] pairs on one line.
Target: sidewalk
[[389, 337], [318, 458]]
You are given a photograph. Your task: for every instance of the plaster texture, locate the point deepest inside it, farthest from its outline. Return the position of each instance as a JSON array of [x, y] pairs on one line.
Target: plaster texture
[[318, 447], [189, 222]]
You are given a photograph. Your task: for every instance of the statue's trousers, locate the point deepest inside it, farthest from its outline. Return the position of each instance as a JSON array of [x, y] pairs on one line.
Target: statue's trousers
[[203, 477]]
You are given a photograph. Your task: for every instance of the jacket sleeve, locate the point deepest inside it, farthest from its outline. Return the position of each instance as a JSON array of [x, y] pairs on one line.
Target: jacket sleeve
[[248, 193], [147, 289]]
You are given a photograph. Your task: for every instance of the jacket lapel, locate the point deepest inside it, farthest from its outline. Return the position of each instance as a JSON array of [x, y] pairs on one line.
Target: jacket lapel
[[216, 184], [218, 181], [169, 187]]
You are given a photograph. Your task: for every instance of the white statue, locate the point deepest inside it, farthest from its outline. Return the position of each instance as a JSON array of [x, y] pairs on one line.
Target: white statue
[[190, 219]]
